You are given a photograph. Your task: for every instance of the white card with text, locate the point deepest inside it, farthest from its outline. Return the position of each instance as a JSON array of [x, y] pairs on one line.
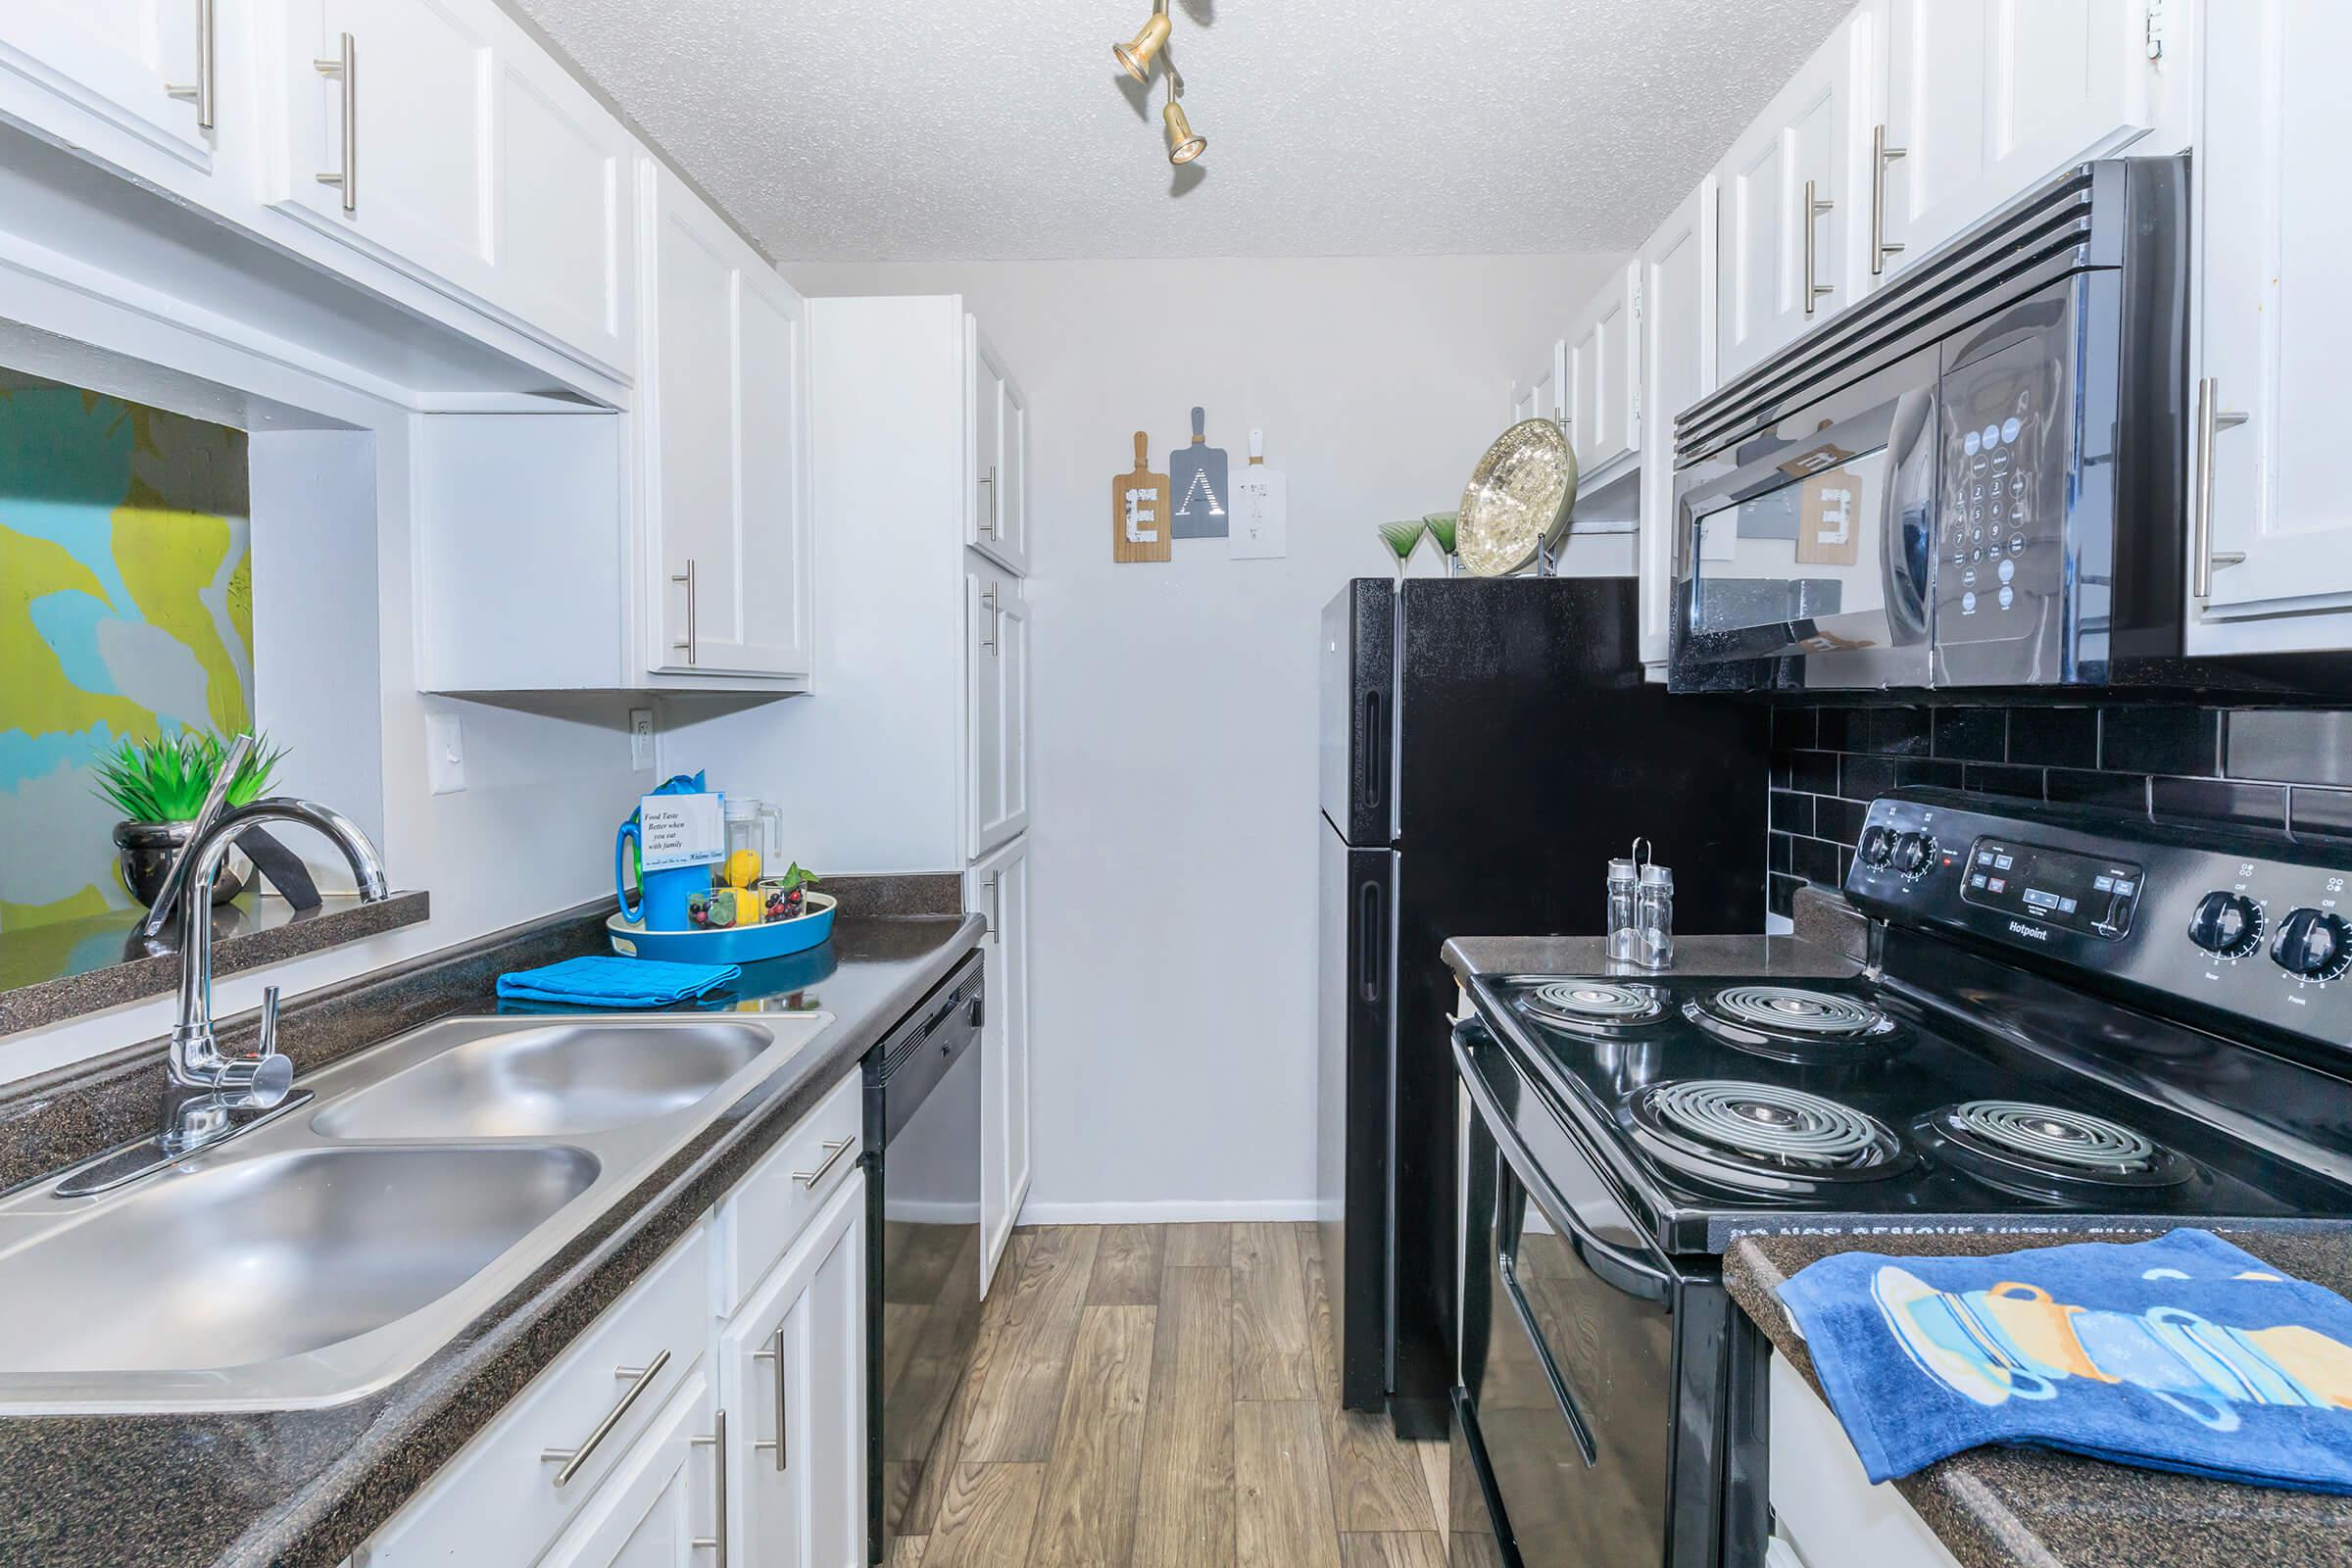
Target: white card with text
[[681, 830]]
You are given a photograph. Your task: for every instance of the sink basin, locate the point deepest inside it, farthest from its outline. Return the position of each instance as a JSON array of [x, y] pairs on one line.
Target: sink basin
[[269, 1257], [550, 1080]]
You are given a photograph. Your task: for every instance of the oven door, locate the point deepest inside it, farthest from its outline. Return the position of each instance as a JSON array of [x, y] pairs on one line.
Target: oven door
[[1804, 554], [1565, 1431]]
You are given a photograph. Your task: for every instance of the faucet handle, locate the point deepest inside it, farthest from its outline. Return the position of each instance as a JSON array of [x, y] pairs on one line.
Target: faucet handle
[[266, 1047], [267, 1077]]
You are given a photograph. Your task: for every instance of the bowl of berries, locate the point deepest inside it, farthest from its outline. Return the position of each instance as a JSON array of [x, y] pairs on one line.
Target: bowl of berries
[[729, 924]]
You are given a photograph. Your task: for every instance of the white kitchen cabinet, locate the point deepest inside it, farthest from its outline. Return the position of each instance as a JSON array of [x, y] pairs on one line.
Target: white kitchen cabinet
[[1676, 268], [996, 462], [1604, 380], [455, 150], [999, 888], [1784, 265], [2269, 313], [1826, 1511], [1984, 100], [660, 1508], [144, 66], [723, 457], [792, 1374], [996, 727], [1546, 394]]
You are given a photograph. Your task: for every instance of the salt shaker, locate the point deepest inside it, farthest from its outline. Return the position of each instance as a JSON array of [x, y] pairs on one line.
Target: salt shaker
[[1623, 915], [1654, 918]]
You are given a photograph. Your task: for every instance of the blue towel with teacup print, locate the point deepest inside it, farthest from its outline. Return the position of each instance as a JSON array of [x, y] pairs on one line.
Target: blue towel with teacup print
[[2180, 1354]]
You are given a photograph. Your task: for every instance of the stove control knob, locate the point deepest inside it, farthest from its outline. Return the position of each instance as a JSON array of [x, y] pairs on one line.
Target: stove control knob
[[2313, 944], [2226, 923], [1878, 845], [1914, 853]]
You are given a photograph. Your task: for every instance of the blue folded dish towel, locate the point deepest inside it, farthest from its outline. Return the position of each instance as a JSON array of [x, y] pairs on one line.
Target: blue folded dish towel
[[2180, 1354], [614, 982]]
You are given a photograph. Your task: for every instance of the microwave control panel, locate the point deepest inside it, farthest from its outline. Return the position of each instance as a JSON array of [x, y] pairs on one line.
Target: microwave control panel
[[2000, 549]]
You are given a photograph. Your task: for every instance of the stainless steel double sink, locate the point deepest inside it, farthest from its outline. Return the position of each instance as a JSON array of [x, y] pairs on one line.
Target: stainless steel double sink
[[318, 1256]]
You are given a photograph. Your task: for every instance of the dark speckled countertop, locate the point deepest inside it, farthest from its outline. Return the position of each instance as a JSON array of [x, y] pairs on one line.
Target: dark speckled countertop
[[2039, 1508], [302, 1489]]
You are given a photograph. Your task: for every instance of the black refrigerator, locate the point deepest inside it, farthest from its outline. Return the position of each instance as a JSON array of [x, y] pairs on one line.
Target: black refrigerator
[[1488, 745]]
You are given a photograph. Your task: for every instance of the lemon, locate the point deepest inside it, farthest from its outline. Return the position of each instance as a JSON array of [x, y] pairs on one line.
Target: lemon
[[742, 868]]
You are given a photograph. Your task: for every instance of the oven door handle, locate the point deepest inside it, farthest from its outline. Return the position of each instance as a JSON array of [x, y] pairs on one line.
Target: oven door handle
[[1578, 1427], [1655, 1284]]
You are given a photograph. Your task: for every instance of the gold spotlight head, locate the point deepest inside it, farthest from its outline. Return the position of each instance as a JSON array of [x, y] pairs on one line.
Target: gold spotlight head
[[1183, 144], [1137, 53]]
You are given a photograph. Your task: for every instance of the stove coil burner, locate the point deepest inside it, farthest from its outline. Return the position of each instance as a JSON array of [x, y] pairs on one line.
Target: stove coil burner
[[1763, 1130], [2063, 1145], [1774, 1019], [1594, 1004]]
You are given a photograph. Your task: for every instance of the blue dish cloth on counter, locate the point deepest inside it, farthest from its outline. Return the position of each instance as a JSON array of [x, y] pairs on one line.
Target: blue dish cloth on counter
[[2180, 1354], [614, 982]]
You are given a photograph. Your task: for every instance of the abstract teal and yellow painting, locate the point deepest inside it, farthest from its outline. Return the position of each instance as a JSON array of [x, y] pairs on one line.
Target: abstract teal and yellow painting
[[125, 610]]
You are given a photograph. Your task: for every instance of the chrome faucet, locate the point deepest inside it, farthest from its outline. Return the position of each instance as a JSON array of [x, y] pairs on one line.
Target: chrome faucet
[[207, 1086]]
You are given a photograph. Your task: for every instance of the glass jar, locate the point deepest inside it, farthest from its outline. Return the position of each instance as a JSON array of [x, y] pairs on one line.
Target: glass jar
[[1623, 919], [1654, 918]]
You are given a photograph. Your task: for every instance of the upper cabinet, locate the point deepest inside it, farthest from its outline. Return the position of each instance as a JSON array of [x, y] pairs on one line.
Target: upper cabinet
[[148, 68], [2271, 524], [1675, 274], [1604, 380], [1544, 394], [997, 450], [1984, 99], [434, 136], [1786, 205], [724, 469]]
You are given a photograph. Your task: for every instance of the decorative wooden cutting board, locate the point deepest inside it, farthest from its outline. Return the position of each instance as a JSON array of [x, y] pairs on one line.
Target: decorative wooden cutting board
[[1139, 510], [1196, 479]]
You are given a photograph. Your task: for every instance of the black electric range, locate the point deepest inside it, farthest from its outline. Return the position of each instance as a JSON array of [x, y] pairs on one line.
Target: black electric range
[[2070, 1022]]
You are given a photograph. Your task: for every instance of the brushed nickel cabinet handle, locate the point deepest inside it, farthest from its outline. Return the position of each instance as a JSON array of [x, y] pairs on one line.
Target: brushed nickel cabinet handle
[[200, 94], [717, 1541], [1880, 155], [988, 601], [780, 1446], [988, 525], [834, 1149], [1814, 208], [640, 1380], [2210, 420], [689, 646], [995, 905], [345, 69]]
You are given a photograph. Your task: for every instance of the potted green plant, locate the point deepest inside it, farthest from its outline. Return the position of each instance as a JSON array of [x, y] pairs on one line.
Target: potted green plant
[[158, 785]]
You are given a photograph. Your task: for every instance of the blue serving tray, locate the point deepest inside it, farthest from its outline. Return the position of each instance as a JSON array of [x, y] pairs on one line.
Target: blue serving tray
[[740, 944]]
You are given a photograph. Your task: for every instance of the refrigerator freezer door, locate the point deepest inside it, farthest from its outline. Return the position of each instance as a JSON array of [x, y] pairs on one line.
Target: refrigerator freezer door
[[1357, 737]]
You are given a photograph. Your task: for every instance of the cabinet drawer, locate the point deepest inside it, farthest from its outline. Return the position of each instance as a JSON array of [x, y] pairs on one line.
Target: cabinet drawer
[[770, 1206], [498, 1500]]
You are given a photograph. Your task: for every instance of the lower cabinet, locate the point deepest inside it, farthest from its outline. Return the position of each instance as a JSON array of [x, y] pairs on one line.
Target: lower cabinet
[[662, 1506], [998, 887]]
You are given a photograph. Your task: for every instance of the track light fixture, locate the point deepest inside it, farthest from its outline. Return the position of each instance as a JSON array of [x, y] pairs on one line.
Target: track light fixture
[[1183, 144], [1136, 54], [1134, 57]]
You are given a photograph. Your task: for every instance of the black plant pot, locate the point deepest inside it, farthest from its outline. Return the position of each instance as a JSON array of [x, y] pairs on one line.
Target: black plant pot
[[146, 853]]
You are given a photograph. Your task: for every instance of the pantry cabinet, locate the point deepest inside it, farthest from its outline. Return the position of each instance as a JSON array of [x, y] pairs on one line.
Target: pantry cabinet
[[2267, 506], [999, 888], [997, 668], [996, 462], [1984, 99], [147, 67], [1603, 380], [723, 451], [1676, 270]]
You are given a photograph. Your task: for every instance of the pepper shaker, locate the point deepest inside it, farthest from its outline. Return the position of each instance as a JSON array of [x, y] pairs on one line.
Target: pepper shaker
[[1623, 925], [1654, 918]]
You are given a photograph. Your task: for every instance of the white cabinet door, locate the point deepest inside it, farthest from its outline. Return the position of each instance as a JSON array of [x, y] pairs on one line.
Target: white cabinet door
[[1987, 98], [658, 1509], [997, 720], [2272, 313], [792, 1375], [723, 425], [1549, 394], [1604, 386], [999, 888], [996, 436], [121, 61], [1783, 266], [562, 235], [1676, 267]]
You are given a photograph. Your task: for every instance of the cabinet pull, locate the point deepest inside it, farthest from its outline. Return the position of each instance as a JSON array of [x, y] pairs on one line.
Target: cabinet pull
[[988, 601], [201, 94], [834, 1149], [996, 903], [345, 69], [716, 1541], [1814, 208], [995, 620], [640, 1380], [988, 525], [1880, 155], [687, 577], [783, 1454], [2210, 420]]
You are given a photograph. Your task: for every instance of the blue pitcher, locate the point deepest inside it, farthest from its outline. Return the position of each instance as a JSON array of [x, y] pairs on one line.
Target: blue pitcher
[[661, 902]]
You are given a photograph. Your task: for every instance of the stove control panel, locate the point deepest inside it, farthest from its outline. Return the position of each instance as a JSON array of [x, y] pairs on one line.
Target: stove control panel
[[2246, 925]]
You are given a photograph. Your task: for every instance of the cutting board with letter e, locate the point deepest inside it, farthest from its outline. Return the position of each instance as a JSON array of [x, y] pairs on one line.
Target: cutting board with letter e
[[1139, 510]]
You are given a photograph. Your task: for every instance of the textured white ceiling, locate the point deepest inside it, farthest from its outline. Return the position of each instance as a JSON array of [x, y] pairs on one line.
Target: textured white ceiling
[[910, 130]]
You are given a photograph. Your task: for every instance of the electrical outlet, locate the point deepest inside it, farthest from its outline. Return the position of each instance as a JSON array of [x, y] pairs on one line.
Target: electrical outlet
[[641, 739], [444, 752]]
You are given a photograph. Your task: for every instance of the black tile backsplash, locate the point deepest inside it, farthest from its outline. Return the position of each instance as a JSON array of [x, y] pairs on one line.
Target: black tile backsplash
[[2277, 769]]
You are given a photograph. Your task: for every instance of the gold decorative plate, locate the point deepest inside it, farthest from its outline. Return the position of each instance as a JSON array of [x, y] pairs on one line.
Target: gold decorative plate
[[1517, 500]]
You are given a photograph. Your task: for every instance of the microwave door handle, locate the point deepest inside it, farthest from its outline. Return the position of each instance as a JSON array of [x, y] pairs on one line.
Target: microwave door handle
[[1655, 1284], [1907, 597]]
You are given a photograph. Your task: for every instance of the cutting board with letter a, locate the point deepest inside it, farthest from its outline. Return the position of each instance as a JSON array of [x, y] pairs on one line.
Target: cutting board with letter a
[[1197, 478], [1139, 510]]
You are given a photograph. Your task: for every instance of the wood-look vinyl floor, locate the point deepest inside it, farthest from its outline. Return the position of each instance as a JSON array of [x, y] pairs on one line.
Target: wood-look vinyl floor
[[1163, 1396]]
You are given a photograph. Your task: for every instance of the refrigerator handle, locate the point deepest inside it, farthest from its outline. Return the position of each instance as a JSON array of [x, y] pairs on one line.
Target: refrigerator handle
[[1370, 942], [1376, 749]]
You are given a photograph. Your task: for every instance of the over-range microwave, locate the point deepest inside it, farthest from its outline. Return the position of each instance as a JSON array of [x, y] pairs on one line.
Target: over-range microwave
[[1974, 477]]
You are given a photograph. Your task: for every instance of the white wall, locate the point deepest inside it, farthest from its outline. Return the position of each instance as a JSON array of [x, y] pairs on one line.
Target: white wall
[[1174, 720]]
